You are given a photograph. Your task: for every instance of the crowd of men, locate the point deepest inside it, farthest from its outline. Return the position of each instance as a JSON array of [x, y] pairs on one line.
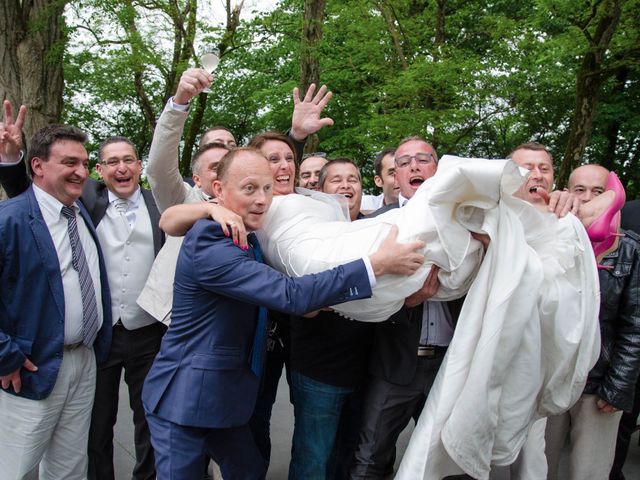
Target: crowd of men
[[90, 286]]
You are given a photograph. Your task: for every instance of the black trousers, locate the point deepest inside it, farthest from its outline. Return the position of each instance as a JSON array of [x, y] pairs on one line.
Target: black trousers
[[276, 360], [387, 410], [132, 351]]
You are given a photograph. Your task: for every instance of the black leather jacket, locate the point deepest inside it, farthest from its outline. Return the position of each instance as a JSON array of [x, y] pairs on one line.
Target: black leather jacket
[[614, 376]]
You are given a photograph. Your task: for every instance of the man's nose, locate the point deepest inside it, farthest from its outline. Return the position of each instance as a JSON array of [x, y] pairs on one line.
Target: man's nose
[[586, 196], [535, 173], [82, 171]]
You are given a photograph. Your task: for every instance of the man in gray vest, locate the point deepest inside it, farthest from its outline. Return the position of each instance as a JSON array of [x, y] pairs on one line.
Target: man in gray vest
[[126, 219]]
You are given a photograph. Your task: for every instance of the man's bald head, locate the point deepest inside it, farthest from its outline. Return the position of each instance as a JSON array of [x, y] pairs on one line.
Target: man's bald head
[[588, 181], [244, 185]]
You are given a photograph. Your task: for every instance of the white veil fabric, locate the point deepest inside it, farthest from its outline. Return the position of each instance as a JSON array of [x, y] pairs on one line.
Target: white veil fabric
[[528, 333]]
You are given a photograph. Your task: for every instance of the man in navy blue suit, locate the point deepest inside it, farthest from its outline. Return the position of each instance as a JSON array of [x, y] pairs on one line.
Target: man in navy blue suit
[[55, 313], [202, 387]]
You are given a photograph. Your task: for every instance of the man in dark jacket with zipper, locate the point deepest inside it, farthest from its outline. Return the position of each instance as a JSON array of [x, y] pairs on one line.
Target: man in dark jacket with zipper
[[593, 420]]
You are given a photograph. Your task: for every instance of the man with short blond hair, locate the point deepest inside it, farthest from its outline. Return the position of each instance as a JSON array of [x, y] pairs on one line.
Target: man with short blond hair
[[203, 385]]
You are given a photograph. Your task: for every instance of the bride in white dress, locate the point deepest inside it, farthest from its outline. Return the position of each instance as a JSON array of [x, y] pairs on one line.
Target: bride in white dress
[[528, 332]]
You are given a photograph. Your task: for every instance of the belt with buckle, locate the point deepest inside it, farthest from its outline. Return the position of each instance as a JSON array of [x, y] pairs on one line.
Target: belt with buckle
[[73, 346], [430, 351]]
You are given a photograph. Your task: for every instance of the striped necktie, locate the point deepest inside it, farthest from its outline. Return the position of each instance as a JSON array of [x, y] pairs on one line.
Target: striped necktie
[[257, 350], [87, 292]]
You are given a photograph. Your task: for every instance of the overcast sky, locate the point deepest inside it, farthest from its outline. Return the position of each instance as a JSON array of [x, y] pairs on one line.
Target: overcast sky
[[248, 8]]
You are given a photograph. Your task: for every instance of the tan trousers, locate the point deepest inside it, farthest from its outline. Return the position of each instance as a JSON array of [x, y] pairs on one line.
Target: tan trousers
[[592, 440], [52, 433]]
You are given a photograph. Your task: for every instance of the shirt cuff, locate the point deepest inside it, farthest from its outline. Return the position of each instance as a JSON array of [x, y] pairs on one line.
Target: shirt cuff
[[11, 164], [372, 277], [177, 106]]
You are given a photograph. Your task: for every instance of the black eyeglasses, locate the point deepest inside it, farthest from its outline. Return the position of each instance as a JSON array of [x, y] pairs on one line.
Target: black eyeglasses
[[422, 158], [314, 154]]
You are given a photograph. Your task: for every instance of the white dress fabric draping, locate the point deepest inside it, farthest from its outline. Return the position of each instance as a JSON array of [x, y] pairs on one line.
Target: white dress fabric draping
[[310, 232], [525, 341], [528, 332]]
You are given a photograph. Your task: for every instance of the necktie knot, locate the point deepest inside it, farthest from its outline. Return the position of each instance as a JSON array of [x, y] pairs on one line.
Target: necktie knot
[[68, 212], [121, 205]]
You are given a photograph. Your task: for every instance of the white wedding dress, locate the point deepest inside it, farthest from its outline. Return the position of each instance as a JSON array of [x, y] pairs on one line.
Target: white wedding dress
[[528, 333], [311, 232]]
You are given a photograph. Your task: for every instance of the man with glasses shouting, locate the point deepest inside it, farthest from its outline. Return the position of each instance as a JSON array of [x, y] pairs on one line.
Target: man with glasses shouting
[[409, 346]]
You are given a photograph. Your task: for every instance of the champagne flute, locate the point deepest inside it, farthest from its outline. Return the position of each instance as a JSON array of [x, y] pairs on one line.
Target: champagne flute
[[209, 58]]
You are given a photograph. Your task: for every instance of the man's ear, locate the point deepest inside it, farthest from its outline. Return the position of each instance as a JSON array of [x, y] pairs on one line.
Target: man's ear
[[196, 180], [99, 168], [378, 181], [216, 188], [36, 166]]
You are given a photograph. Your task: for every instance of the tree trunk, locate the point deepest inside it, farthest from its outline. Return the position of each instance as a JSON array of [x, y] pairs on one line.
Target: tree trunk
[[395, 38], [137, 45], [309, 57], [612, 129], [588, 85], [233, 21], [31, 46]]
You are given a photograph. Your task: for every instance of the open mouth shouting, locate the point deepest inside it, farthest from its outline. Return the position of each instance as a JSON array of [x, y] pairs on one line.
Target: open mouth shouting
[[415, 181]]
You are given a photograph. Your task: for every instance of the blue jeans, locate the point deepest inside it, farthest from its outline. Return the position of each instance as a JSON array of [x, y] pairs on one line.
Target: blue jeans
[[317, 408]]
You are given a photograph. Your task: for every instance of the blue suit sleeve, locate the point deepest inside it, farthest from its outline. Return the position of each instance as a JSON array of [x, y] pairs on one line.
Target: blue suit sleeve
[[221, 267], [11, 357]]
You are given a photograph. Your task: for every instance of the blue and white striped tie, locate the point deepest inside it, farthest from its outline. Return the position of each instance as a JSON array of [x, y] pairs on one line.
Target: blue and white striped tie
[[88, 293]]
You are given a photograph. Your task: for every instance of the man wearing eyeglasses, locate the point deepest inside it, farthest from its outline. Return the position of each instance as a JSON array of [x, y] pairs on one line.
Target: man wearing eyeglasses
[[126, 220], [409, 347]]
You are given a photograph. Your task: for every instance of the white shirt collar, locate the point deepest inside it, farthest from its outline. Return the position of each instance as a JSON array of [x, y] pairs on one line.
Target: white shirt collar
[[134, 199], [402, 200], [50, 206]]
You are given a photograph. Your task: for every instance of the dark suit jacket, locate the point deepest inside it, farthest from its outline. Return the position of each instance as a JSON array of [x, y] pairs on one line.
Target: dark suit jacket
[[631, 216], [395, 341], [202, 375], [95, 198], [32, 296]]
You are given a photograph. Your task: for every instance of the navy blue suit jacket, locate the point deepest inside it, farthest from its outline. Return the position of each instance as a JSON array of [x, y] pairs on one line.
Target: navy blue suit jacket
[[32, 297], [202, 375]]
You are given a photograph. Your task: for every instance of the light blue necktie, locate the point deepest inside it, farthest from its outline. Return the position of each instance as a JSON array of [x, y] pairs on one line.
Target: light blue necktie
[[87, 292], [257, 350]]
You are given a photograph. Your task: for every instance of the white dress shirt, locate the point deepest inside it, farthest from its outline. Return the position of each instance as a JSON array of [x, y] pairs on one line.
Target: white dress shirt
[[57, 224]]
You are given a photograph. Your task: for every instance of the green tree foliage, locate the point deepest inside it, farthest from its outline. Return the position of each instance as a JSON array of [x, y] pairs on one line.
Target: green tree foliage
[[476, 78]]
